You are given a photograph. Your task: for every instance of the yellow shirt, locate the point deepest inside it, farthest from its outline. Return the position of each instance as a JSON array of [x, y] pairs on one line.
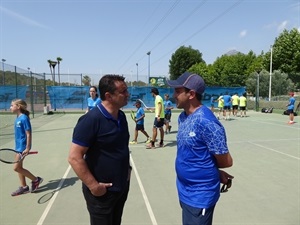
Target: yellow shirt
[[243, 101], [158, 100], [220, 102], [235, 100]]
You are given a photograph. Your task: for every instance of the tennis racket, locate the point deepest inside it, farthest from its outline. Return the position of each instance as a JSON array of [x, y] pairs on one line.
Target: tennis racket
[[8, 155], [132, 115], [148, 108]]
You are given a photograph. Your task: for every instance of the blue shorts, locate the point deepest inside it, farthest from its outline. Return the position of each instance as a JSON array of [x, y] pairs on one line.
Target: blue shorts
[[139, 127], [196, 216]]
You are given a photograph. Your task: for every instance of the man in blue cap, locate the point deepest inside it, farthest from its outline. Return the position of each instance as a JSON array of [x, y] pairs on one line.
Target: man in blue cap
[[201, 152]]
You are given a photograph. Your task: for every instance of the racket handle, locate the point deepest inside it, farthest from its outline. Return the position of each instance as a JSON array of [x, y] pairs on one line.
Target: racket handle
[[33, 152]]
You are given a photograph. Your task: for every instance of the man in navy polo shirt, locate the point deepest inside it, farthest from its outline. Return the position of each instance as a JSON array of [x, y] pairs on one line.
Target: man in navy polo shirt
[[99, 153]]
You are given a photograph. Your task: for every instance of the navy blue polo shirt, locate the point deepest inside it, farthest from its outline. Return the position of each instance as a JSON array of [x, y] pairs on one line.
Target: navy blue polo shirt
[[107, 140]]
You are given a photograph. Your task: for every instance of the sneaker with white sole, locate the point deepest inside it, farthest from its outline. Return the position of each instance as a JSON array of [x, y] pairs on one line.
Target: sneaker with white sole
[[148, 141], [35, 184], [150, 146], [20, 191]]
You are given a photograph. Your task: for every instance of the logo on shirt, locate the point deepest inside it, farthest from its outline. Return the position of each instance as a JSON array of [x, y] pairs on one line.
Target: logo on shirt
[[18, 124], [192, 134]]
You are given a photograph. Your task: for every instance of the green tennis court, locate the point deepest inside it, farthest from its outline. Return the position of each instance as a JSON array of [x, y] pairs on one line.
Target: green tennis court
[[266, 187]]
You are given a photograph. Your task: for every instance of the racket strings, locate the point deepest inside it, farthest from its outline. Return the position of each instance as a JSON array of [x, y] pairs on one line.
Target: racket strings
[[7, 155]]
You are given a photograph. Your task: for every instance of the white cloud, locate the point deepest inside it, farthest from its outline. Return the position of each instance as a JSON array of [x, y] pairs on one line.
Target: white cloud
[[21, 18], [243, 33], [282, 25]]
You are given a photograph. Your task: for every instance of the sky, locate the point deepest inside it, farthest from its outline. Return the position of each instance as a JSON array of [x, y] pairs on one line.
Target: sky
[[97, 37]]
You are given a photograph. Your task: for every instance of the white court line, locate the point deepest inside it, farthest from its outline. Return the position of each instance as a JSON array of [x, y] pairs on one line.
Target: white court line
[[273, 150], [46, 211], [151, 214]]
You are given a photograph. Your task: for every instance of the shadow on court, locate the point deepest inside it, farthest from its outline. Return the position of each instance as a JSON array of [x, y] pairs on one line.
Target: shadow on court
[[55, 186]]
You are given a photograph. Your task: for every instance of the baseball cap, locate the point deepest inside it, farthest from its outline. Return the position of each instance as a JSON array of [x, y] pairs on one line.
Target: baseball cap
[[189, 80]]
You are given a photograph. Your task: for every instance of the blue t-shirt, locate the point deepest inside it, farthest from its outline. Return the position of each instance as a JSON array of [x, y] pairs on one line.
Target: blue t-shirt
[[167, 104], [107, 140], [140, 112], [200, 136], [93, 102], [291, 103], [212, 101], [227, 100], [22, 124]]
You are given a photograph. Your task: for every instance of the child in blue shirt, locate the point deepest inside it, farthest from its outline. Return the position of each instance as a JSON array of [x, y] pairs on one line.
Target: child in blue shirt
[[23, 138], [139, 119]]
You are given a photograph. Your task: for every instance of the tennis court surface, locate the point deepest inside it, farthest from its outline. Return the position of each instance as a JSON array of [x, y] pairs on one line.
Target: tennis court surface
[[265, 191]]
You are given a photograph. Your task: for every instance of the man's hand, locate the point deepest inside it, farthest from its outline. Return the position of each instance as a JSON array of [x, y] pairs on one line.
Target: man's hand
[[224, 177], [100, 189]]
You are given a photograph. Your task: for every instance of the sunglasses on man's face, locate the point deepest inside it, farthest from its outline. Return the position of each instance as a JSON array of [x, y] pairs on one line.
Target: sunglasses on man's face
[[225, 187]]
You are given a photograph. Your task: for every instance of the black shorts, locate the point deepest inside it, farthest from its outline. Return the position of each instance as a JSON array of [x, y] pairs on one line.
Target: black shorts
[[227, 107], [139, 127], [235, 107], [168, 117], [242, 107], [160, 123], [290, 111]]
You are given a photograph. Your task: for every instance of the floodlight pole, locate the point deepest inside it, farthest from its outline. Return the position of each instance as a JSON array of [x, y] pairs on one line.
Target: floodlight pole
[[257, 93], [270, 83], [3, 78], [148, 53], [137, 73]]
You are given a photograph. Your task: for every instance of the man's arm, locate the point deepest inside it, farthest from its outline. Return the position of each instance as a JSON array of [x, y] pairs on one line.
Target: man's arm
[[224, 160], [159, 107], [80, 167]]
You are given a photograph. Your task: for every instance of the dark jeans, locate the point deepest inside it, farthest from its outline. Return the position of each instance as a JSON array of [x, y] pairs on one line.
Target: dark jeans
[[106, 209], [196, 216]]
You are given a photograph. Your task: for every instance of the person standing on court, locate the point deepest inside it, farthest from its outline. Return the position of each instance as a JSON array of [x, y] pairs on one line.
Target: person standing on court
[[93, 100], [99, 153], [168, 113], [290, 108], [139, 120], [235, 104], [220, 101], [201, 152], [23, 140], [227, 105], [243, 104], [158, 120]]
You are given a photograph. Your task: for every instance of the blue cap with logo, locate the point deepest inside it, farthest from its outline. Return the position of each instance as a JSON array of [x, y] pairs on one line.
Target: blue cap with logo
[[189, 80]]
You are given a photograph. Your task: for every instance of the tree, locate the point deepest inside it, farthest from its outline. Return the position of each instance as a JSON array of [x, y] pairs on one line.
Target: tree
[[207, 72], [49, 62], [86, 80], [59, 59], [252, 81], [182, 60], [281, 85], [233, 70], [52, 65], [286, 54]]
